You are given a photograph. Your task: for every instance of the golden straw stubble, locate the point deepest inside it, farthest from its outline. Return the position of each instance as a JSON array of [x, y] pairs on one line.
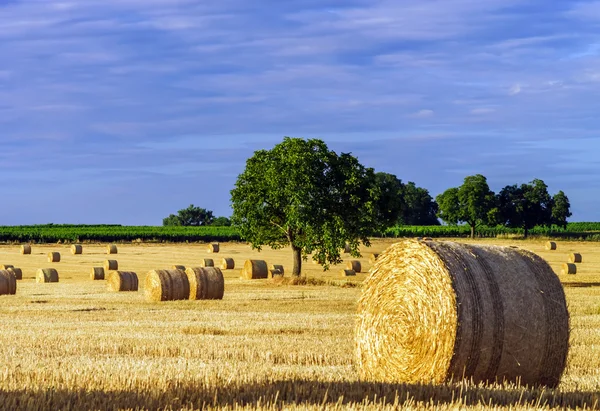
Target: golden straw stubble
[[206, 283], [46, 275], [122, 281], [166, 285], [8, 283]]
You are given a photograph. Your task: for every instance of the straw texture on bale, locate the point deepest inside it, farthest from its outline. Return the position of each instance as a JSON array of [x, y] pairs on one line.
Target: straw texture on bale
[[440, 311], [111, 265], [255, 269], [354, 265], [26, 249], [550, 245], [111, 249], [53, 257], [6, 266], [277, 267], [76, 249], [8, 283], [569, 268], [373, 257], [166, 285], [46, 275], [227, 264], [97, 273], [207, 262], [206, 283], [122, 281], [178, 267], [348, 273], [18, 273], [213, 248], [575, 258]]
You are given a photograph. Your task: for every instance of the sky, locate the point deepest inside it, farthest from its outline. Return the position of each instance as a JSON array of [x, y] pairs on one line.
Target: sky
[[124, 111]]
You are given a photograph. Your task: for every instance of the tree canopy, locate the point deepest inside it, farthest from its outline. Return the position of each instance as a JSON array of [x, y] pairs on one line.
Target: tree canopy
[[191, 216]]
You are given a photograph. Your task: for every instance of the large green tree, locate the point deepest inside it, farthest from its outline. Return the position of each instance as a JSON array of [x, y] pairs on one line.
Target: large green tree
[[561, 209], [191, 216], [303, 195], [419, 208]]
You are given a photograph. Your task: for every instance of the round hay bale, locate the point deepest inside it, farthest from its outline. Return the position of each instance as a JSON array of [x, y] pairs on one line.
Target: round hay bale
[[255, 269], [550, 245], [353, 265], [26, 249], [166, 285], [6, 266], [275, 273], [207, 262], [227, 264], [111, 249], [348, 273], [178, 267], [373, 257], [568, 268], [111, 265], [575, 258], [46, 275], [18, 273], [53, 257], [8, 283], [213, 248], [277, 267], [97, 273], [347, 248], [206, 283], [122, 281], [76, 249], [436, 311]]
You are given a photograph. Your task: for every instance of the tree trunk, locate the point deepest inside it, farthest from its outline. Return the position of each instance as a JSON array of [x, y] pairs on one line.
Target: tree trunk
[[526, 232], [472, 231], [297, 261]]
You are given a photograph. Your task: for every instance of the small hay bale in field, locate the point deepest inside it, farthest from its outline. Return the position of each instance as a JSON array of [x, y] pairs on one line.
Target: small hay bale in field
[[347, 248], [46, 275], [255, 269], [354, 265], [373, 257], [569, 268], [166, 285], [6, 266], [178, 267], [76, 249], [111, 265], [227, 264], [348, 273], [8, 283], [26, 249], [17, 272], [431, 312], [207, 262], [111, 249], [575, 258], [97, 273], [213, 248], [275, 273], [53, 257], [122, 281], [206, 283], [550, 245], [277, 267]]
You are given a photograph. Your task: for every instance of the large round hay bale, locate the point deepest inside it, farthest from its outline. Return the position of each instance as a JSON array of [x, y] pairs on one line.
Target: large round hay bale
[[6, 266], [373, 257], [26, 249], [166, 285], [550, 245], [8, 283], [569, 268], [354, 265], [206, 283], [53, 257], [122, 281], [178, 267], [46, 275], [255, 269], [575, 258], [213, 248], [18, 273], [76, 249], [97, 273], [207, 262], [227, 264], [348, 273], [436, 311], [277, 267], [111, 265], [111, 249]]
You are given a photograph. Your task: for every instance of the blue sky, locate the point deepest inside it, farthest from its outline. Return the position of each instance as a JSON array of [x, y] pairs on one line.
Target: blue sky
[[123, 111]]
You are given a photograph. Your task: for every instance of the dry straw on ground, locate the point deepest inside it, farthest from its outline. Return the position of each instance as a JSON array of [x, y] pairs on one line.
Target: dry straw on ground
[[166, 285], [111, 265], [111, 249], [53, 257], [354, 265], [437, 311], [207, 262], [206, 283], [348, 273], [255, 269], [213, 248], [46, 275], [97, 273], [26, 249], [227, 264], [551, 245], [568, 268], [8, 283], [575, 258], [17, 272], [178, 267], [76, 249], [122, 281]]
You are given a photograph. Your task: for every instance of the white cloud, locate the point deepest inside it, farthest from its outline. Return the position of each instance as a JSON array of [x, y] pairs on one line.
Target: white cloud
[[514, 89], [425, 113]]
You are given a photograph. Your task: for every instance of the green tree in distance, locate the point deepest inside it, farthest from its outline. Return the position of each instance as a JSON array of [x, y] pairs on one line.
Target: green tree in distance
[[191, 216], [561, 209], [419, 207]]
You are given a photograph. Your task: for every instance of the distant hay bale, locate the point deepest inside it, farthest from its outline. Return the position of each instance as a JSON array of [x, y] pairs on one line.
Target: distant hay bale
[[97, 273], [26, 249], [166, 285], [550, 245], [347, 248], [111, 249], [575, 258], [207, 262], [178, 267], [110, 265], [348, 273], [227, 264], [122, 281], [255, 269], [277, 267], [18, 273], [568, 268], [206, 283], [8, 283], [46, 275], [437, 311], [353, 265], [274, 273], [373, 257], [76, 249], [53, 257], [6, 266], [427, 239], [213, 248]]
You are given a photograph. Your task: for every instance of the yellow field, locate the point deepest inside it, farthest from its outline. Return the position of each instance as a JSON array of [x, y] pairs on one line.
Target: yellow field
[[74, 345]]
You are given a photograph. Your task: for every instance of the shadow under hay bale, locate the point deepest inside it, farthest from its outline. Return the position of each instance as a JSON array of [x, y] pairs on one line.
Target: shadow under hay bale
[[76, 249], [568, 268], [97, 273], [227, 264], [26, 249], [255, 269], [550, 245], [206, 283], [354, 265], [46, 275], [122, 281], [166, 285], [8, 283], [54, 257], [575, 258], [436, 311]]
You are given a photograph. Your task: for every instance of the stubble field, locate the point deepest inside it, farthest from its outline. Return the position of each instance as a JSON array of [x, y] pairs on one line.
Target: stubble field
[[75, 345]]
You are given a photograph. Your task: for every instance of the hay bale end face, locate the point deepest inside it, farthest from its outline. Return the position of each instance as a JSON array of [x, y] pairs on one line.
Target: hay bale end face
[[18, 273], [122, 281], [26, 249], [255, 269], [76, 249], [97, 273], [348, 273], [166, 285], [8, 283], [227, 264], [178, 267], [373, 257], [46, 275], [6, 266], [206, 283], [550, 245], [437, 311], [575, 258], [354, 265], [54, 257], [213, 248], [111, 249], [568, 268], [110, 265], [207, 262]]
